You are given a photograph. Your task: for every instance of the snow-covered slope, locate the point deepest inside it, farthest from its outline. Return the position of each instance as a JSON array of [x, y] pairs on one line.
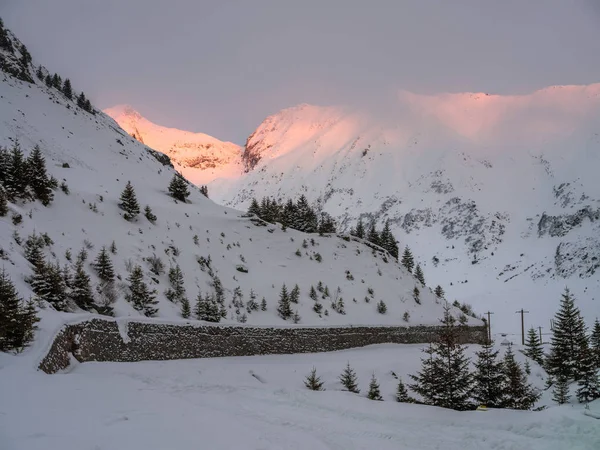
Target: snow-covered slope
[[96, 158], [496, 195], [200, 157]]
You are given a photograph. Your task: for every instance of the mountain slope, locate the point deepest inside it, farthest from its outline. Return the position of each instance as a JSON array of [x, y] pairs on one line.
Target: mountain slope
[[496, 195], [199, 157], [96, 158]]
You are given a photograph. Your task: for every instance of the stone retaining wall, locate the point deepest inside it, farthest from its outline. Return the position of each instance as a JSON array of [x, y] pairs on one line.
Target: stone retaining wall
[[101, 340]]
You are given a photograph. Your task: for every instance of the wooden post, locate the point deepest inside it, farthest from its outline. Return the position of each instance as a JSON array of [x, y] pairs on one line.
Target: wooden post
[[541, 339], [489, 326], [522, 312]]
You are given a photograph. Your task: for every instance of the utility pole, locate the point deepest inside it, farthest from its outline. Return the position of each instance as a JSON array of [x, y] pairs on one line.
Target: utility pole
[[541, 339], [522, 312], [489, 326]]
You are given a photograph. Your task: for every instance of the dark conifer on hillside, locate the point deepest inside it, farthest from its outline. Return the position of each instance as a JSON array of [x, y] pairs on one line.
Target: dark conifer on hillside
[[17, 319], [595, 342], [81, 289], [15, 182], [3, 202], [103, 266], [178, 188], [349, 380], [374, 391], [439, 291], [444, 379], [284, 308], [518, 394], [402, 394], [488, 377], [533, 347], [589, 381], [419, 275], [359, 231], [129, 202], [373, 234], [56, 82], [185, 308], [49, 285], [67, 89], [48, 80], [207, 308], [37, 177], [560, 391], [254, 208], [81, 101], [204, 190], [176, 292], [39, 73], [295, 294], [149, 214], [141, 298], [407, 259], [568, 338], [313, 382]]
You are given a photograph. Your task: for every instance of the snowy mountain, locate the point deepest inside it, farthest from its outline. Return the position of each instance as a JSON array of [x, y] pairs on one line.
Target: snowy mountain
[[496, 195], [199, 157], [95, 158]]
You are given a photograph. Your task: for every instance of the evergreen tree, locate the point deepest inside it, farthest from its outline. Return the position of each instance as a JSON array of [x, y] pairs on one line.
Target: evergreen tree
[[16, 174], [207, 308], [488, 377], [568, 337], [444, 379], [594, 342], [39, 73], [3, 202], [318, 308], [326, 225], [176, 293], [295, 294], [289, 216], [4, 161], [38, 177], [81, 101], [407, 259], [185, 308], [142, 299], [67, 89], [178, 188], [34, 249], [284, 308], [439, 291], [374, 392], [49, 285], [402, 394], [560, 392], [149, 214], [254, 208], [56, 82], [113, 248], [9, 313], [589, 383], [129, 202], [88, 105], [416, 295], [388, 241], [81, 290], [360, 229], [313, 293], [306, 218], [373, 234], [349, 380], [381, 307], [518, 394], [104, 267], [48, 80], [533, 347], [313, 382], [419, 275], [263, 304], [252, 304]]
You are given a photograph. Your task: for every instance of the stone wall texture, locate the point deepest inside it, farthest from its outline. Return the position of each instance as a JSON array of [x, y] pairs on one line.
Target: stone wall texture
[[107, 340]]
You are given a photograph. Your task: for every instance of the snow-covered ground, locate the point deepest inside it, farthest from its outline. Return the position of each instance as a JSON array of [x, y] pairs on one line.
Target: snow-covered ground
[[260, 403]]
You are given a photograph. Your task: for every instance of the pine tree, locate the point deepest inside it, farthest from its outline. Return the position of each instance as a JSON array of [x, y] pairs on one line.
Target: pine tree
[[313, 382], [439, 291], [295, 294], [104, 267], [252, 304], [113, 248], [129, 202], [318, 308], [327, 224], [3, 202], [81, 101], [594, 342], [10, 323], [444, 379], [381, 307], [16, 174], [374, 392], [254, 208], [518, 394], [176, 293], [560, 392], [533, 347], [142, 299], [284, 308], [407, 259], [263, 304], [81, 290], [39, 73], [88, 105], [568, 337], [67, 89], [56, 82], [388, 241], [419, 274], [488, 377], [185, 308], [34, 249], [313, 293], [49, 285], [402, 394], [48, 80], [416, 295], [4, 161], [360, 229], [373, 234], [37, 177], [349, 380], [178, 188], [589, 383], [149, 214], [207, 308]]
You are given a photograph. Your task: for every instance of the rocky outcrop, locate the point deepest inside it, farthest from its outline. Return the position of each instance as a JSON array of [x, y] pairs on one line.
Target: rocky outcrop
[[561, 225], [109, 340]]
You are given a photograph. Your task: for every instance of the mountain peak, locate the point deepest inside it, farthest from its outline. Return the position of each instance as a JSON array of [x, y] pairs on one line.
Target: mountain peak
[[123, 111]]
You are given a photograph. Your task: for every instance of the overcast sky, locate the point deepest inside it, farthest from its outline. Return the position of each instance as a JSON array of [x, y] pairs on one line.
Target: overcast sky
[[221, 66]]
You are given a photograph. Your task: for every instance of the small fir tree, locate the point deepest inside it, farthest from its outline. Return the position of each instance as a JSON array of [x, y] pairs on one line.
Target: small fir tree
[[533, 347], [185, 308], [359, 232], [176, 292], [419, 275], [67, 90], [518, 394], [313, 293], [488, 377], [37, 177], [381, 307], [113, 248], [149, 214], [178, 188], [402, 394], [263, 304], [142, 298], [12, 324], [295, 294], [588, 386], [373, 235], [560, 392], [417, 295], [81, 289], [254, 208], [439, 291], [129, 202], [349, 380], [3, 202], [374, 392], [283, 307], [595, 342], [16, 180], [407, 259], [313, 382], [104, 267], [49, 285]]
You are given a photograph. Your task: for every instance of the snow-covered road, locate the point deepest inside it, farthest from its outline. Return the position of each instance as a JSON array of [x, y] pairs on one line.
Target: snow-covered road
[[257, 403]]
